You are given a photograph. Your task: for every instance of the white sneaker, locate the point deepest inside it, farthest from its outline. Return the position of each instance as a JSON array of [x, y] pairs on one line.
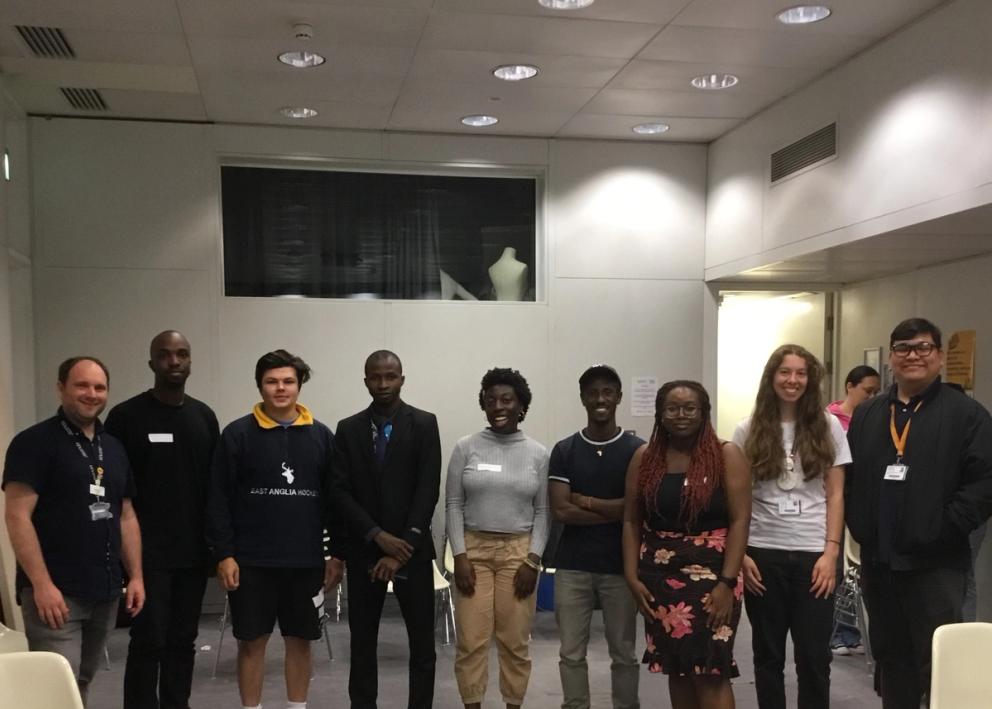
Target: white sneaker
[[841, 650]]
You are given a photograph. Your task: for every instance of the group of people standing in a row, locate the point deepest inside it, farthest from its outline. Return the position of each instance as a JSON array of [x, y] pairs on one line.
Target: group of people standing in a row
[[683, 528]]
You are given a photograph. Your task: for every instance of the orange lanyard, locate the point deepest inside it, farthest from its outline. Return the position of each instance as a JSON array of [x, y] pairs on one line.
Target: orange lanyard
[[900, 441]]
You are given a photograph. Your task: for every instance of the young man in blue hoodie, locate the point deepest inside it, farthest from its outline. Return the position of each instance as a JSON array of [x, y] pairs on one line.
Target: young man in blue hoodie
[[265, 522]]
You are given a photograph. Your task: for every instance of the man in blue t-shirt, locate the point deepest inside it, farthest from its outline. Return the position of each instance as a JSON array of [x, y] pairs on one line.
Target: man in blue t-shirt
[[586, 486], [68, 489]]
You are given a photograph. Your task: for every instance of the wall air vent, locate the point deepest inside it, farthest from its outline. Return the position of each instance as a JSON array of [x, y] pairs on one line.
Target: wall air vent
[[85, 99], [46, 42], [814, 148]]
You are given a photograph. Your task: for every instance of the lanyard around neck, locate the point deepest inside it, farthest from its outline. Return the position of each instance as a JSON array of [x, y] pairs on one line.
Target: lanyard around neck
[[96, 471], [899, 441]]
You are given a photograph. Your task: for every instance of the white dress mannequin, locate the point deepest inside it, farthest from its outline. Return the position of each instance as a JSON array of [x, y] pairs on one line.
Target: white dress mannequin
[[509, 276]]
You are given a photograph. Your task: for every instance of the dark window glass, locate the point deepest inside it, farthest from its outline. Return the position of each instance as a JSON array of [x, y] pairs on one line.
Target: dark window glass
[[330, 234]]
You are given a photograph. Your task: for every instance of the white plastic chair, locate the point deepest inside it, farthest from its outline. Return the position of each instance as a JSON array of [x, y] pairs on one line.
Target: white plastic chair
[[443, 607], [959, 675], [12, 640], [37, 680]]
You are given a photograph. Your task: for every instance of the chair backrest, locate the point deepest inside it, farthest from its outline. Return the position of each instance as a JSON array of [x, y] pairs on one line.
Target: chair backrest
[[440, 583], [960, 676], [449, 558], [37, 680], [12, 640], [852, 550]]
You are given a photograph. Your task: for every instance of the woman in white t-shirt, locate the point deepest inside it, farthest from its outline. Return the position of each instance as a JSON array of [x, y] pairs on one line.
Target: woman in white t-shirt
[[797, 452]]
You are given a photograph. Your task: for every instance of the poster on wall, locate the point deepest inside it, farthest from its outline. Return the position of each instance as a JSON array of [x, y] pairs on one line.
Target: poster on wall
[[960, 362], [643, 393]]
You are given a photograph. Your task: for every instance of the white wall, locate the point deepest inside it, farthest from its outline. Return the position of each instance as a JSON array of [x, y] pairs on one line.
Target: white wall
[[751, 327], [954, 296], [16, 330], [914, 143], [127, 227]]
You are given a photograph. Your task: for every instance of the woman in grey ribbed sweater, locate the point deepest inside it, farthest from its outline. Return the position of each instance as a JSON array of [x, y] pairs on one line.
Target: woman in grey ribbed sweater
[[496, 499]]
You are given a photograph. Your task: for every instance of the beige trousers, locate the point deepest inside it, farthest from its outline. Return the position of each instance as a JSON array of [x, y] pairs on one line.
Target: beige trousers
[[491, 611]]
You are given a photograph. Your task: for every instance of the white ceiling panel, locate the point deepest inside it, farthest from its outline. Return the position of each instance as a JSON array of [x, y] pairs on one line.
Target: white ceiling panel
[[228, 108], [676, 76], [752, 47], [48, 100], [875, 18], [649, 11], [711, 104], [111, 46], [118, 15], [274, 19], [468, 67], [691, 130], [536, 35]]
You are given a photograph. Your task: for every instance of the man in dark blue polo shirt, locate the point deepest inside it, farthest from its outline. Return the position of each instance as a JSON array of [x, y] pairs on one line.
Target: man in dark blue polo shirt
[[67, 487], [586, 485]]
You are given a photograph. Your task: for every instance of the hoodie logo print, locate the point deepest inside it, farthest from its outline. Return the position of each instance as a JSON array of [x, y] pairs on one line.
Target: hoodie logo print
[[287, 473]]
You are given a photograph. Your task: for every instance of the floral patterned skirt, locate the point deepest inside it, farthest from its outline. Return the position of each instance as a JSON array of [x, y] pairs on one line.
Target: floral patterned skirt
[[680, 571]]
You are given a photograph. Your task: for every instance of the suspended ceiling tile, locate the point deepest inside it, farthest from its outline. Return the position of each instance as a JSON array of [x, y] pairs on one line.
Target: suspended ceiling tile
[[875, 18], [104, 75], [648, 11], [587, 125], [476, 68], [722, 45], [536, 35], [274, 19], [676, 76], [118, 15], [709, 104]]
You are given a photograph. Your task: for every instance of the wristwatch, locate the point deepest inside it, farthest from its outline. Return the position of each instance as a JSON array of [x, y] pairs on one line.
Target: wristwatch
[[729, 581]]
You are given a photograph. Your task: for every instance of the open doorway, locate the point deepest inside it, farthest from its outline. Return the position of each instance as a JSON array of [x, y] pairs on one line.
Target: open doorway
[[751, 325]]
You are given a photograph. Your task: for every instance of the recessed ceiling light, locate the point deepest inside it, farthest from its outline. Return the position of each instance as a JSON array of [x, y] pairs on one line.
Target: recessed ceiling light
[[650, 128], [480, 121], [565, 4], [298, 112], [301, 59], [713, 82], [803, 14], [515, 72]]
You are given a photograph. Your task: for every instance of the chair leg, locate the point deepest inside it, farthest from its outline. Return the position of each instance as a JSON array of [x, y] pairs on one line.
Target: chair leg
[[106, 656], [451, 612], [327, 639], [337, 607], [220, 643]]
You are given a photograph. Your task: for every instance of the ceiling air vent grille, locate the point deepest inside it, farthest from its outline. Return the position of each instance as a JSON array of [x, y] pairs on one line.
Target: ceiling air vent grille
[[47, 42], [85, 99], [807, 151]]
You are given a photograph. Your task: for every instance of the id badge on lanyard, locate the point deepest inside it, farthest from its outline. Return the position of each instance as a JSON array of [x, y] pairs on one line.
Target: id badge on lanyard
[[897, 472]]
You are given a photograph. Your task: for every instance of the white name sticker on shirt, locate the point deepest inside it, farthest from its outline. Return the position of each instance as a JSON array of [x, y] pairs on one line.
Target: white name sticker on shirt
[[98, 490], [789, 506], [160, 438], [491, 467], [896, 471], [318, 600]]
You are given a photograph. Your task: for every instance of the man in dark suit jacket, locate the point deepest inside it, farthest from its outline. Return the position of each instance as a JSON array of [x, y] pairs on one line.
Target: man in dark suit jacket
[[386, 474]]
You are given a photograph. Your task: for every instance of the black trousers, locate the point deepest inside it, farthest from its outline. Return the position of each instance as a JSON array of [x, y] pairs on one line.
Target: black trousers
[[159, 669], [904, 608], [365, 599], [788, 606]]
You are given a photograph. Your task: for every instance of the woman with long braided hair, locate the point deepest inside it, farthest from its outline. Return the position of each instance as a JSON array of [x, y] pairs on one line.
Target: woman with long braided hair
[[686, 513]]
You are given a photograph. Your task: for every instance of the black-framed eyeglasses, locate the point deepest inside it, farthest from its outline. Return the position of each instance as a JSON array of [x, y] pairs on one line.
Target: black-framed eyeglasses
[[670, 411], [922, 349]]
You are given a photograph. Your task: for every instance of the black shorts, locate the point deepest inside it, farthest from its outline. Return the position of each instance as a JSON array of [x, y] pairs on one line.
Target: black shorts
[[267, 594]]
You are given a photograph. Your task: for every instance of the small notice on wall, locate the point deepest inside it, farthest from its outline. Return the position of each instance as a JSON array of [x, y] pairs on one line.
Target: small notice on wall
[[643, 393], [960, 362]]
